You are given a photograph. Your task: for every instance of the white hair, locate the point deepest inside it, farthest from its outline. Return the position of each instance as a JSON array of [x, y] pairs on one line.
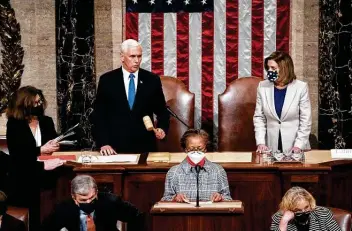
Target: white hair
[[129, 43], [83, 184]]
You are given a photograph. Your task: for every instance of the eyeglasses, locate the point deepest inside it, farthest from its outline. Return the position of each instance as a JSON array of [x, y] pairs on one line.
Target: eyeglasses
[[195, 149], [38, 102]]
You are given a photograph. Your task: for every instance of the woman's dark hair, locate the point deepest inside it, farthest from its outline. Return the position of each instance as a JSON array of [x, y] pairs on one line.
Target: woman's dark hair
[[192, 133], [22, 101]]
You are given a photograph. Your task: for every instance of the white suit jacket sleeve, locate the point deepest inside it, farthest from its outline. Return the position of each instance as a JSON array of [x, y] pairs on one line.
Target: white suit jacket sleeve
[[259, 120], [305, 119]]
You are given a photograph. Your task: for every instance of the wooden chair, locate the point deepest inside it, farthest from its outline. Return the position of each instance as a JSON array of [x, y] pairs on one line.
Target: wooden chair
[[343, 218], [236, 110], [181, 102]]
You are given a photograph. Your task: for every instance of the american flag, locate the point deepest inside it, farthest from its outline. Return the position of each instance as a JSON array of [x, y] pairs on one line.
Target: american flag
[[208, 43]]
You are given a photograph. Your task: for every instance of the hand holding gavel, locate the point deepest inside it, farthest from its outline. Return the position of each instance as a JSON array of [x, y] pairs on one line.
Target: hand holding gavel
[[159, 133]]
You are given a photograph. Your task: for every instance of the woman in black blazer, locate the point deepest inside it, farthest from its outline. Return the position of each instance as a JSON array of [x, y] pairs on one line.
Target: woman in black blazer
[[29, 134]]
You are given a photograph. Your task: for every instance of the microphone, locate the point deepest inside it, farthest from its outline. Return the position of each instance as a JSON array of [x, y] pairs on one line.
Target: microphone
[[197, 168], [175, 116]]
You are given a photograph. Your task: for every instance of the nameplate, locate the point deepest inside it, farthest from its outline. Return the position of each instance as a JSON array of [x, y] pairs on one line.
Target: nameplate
[[341, 153]]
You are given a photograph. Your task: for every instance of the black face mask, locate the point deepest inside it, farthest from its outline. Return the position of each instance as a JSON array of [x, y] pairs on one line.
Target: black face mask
[[272, 76], [3, 208], [88, 208], [302, 218], [37, 111]]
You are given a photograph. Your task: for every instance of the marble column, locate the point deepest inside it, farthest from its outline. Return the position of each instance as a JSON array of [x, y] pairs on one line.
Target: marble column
[[76, 81], [335, 74]]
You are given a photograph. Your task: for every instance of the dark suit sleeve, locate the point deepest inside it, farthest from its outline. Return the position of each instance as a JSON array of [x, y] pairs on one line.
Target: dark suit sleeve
[[160, 110], [51, 129], [126, 212], [101, 114], [21, 226], [21, 148], [53, 222]]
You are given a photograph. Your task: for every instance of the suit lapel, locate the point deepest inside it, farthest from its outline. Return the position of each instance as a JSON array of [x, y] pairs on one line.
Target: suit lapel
[[290, 95], [140, 90], [269, 93]]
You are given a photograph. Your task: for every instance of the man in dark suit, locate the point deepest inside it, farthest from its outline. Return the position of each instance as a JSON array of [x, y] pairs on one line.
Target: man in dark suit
[[7, 222], [89, 210], [125, 95]]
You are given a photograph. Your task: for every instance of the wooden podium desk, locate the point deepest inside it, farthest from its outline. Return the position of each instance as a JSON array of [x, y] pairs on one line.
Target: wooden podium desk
[[170, 216], [259, 186]]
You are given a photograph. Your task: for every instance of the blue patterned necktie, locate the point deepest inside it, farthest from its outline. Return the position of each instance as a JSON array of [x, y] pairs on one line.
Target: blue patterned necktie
[[131, 91]]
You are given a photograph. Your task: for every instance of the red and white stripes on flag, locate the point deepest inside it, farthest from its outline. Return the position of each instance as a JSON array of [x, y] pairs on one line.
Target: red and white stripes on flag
[[208, 50]]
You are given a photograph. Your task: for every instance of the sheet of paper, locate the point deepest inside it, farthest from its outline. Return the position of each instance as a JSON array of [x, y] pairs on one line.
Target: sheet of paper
[[177, 157], [229, 204], [317, 156], [200, 202], [230, 157], [112, 158], [341, 153]]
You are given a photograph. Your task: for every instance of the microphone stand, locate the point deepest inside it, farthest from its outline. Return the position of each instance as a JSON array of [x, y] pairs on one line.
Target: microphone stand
[[197, 168], [176, 117]]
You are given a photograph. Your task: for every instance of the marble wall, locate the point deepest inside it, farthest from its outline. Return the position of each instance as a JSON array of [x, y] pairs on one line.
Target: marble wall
[[335, 74], [37, 21], [304, 51], [76, 84]]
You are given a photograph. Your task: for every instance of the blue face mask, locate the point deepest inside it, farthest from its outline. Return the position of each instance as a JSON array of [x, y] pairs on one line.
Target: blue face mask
[[272, 76]]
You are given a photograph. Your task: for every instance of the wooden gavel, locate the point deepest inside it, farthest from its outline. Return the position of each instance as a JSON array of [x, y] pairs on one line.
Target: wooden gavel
[[149, 124]]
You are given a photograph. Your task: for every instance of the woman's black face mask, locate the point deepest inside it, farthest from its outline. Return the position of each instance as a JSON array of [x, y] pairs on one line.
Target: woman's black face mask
[[302, 218], [37, 111]]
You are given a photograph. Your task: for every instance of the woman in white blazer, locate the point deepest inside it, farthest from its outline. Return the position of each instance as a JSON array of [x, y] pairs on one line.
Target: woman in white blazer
[[282, 117]]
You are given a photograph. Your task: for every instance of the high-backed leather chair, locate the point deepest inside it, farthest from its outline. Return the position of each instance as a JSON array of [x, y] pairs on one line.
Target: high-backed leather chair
[[19, 213], [236, 110], [181, 102], [343, 218]]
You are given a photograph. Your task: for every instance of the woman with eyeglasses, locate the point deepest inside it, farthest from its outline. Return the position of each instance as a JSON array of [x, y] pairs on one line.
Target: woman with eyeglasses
[[298, 212], [181, 181], [29, 134]]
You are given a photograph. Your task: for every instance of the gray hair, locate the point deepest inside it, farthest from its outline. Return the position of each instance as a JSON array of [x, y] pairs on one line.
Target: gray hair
[[129, 43], [82, 184]]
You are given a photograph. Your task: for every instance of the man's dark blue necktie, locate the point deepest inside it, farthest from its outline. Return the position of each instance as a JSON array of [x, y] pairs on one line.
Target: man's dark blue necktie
[[131, 91]]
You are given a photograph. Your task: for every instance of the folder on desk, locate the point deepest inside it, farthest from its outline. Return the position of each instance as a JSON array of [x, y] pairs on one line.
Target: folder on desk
[[63, 157]]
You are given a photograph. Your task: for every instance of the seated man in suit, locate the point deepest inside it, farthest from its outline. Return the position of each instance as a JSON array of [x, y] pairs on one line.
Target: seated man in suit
[[90, 210], [181, 182], [7, 222]]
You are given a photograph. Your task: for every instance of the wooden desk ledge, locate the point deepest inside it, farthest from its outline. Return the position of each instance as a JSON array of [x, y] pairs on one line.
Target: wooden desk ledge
[[166, 207]]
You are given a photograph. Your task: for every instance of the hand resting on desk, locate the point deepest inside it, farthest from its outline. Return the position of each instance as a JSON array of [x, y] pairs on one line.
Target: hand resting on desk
[[107, 150]]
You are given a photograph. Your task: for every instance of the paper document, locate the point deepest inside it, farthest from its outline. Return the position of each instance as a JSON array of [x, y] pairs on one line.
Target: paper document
[[341, 153], [112, 158], [225, 204], [200, 202]]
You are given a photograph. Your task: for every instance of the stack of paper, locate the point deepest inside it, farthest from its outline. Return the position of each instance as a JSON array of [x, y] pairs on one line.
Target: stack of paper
[[157, 157], [112, 158]]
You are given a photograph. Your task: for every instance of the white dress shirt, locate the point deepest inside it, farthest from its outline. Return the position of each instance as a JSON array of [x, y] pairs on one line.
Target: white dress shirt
[[126, 80], [38, 136]]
